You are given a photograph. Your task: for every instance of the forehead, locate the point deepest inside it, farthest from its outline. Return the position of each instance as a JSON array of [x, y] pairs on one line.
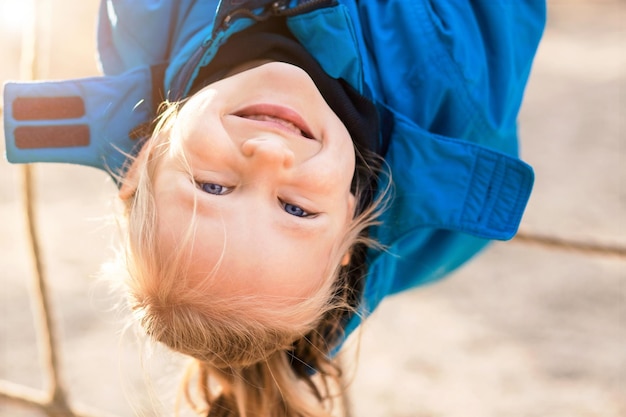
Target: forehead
[[260, 258]]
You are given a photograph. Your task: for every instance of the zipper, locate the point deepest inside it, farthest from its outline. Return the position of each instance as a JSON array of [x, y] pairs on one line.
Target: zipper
[[187, 70], [279, 8]]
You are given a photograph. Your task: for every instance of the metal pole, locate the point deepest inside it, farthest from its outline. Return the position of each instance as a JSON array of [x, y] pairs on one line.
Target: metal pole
[[42, 312]]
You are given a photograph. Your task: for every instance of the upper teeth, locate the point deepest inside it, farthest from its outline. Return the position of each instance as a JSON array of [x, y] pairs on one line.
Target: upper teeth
[[264, 117]]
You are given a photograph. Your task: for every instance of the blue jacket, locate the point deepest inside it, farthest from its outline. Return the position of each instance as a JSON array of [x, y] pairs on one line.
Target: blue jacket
[[449, 76]]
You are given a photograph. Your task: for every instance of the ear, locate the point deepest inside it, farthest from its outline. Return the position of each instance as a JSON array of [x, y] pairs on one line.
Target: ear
[[131, 179], [346, 258]]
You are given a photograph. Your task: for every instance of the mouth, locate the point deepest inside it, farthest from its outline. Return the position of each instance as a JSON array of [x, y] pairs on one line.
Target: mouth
[[277, 116]]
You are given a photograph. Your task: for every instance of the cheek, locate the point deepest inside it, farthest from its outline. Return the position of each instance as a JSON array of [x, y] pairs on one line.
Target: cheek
[[326, 177], [174, 217], [340, 165]]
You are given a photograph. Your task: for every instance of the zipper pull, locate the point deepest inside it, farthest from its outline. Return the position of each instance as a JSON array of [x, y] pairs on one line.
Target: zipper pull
[[281, 8]]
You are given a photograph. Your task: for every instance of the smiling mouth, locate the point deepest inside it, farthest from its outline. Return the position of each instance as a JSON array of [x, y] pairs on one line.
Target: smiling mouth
[[278, 116]]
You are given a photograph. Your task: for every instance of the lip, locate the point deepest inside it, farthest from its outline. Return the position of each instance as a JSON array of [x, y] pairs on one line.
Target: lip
[[278, 112]]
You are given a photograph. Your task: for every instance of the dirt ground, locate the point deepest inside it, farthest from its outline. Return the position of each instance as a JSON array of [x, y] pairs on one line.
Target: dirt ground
[[522, 331]]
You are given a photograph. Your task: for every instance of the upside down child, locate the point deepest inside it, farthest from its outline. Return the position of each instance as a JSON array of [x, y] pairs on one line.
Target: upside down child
[[286, 165]]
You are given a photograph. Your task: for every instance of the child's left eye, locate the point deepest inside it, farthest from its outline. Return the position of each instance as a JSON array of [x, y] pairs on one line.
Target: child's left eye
[[295, 210], [212, 188]]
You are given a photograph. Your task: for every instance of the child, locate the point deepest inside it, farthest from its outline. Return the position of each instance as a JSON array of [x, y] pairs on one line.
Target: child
[[298, 134]]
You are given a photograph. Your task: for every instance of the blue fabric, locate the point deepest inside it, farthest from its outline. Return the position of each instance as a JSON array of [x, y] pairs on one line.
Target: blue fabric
[[107, 100], [449, 77]]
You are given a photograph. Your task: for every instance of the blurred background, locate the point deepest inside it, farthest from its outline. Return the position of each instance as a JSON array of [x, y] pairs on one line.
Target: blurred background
[[523, 330]]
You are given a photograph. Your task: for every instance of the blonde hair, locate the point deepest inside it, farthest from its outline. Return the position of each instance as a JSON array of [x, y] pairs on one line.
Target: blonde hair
[[251, 359]]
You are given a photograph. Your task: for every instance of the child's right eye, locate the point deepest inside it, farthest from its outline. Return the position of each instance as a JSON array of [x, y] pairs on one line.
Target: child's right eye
[[212, 188]]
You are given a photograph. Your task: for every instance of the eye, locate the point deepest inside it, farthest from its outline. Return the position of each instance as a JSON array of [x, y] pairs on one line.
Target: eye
[[295, 210], [212, 188]]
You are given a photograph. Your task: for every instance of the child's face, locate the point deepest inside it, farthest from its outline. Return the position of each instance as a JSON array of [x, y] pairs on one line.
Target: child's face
[[273, 203]]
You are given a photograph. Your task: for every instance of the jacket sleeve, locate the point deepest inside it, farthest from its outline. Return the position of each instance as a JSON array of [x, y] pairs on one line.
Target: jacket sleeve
[[492, 45], [451, 73], [457, 68]]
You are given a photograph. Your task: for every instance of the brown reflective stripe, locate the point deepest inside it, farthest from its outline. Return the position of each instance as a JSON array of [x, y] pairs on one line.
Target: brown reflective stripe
[[66, 136], [48, 108]]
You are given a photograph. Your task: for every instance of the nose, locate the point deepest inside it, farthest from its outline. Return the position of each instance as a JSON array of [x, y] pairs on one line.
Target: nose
[[268, 151]]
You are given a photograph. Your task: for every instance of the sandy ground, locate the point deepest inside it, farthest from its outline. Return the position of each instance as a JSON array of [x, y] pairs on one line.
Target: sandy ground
[[522, 331]]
